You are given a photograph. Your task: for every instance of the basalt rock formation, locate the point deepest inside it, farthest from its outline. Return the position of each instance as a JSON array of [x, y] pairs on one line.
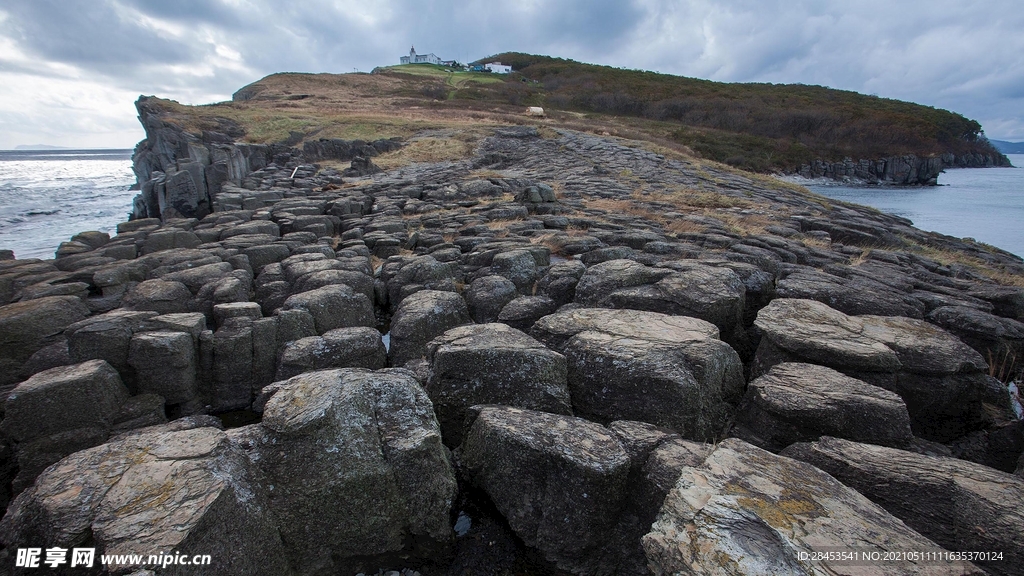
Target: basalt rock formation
[[564, 346], [906, 170]]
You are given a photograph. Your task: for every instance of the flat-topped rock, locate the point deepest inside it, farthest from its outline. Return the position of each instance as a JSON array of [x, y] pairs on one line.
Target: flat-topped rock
[[748, 511], [27, 326], [420, 318], [355, 468], [189, 491], [797, 402], [333, 307], [822, 335], [958, 504], [358, 347], [634, 365], [943, 382], [558, 480], [492, 364], [556, 329]]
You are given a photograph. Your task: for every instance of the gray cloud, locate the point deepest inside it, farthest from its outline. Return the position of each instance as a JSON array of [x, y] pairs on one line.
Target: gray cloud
[[942, 53]]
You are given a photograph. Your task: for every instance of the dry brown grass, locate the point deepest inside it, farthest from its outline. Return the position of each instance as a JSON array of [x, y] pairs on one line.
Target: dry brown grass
[[425, 149], [997, 274], [685, 227], [814, 242]]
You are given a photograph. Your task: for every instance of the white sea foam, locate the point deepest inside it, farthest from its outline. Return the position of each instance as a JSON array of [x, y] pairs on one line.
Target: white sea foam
[[46, 197]]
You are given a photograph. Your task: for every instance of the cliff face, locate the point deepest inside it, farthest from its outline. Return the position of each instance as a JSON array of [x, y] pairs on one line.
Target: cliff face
[[180, 174], [906, 170]]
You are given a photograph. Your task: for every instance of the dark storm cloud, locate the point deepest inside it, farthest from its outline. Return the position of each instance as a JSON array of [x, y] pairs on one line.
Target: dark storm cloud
[[943, 53], [92, 34]]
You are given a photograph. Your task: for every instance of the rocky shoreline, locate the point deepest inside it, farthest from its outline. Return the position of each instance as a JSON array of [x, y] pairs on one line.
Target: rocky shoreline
[[906, 170], [601, 360]]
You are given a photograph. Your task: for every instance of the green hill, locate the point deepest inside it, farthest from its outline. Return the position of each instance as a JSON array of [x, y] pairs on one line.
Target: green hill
[[750, 125]]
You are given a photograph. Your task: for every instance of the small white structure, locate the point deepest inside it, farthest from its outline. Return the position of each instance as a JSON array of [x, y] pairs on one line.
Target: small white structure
[[535, 111], [498, 68], [414, 58]]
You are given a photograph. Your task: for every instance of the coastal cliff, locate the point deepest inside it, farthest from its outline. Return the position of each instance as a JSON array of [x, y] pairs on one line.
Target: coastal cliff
[[496, 344], [906, 170]]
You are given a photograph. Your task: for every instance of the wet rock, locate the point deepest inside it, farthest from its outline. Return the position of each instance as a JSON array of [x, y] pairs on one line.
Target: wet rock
[[189, 491], [559, 481], [748, 511], [357, 468], [797, 402], [422, 317], [359, 347], [960, 505], [492, 364]]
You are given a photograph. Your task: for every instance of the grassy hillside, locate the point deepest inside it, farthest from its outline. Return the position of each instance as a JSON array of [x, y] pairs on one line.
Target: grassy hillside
[[754, 126], [758, 127]]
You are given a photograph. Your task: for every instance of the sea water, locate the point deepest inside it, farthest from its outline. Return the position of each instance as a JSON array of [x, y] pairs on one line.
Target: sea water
[[48, 196], [986, 204]]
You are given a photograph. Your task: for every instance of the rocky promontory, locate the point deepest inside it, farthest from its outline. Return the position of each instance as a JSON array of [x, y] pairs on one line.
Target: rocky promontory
[[558, 352]]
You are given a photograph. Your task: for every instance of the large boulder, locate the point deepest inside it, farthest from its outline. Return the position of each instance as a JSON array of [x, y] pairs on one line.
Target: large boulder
[[559, 481], [747, 511], [333, 307], [492, 364], [960, 505], [341, 348], [26, 327], [165, 364], [107, 337], [356, 468], [797, 402], [942, 380], [190, 492], [633, 365], [518, 266], [698, 290], [405, 276], [59, 411], [487, 295], [420, 318], [998, 340], [854, 295], [162, 296]]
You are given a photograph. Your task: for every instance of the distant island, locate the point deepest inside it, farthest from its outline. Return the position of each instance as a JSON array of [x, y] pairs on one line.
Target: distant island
[[1008, 147], [40, 147]]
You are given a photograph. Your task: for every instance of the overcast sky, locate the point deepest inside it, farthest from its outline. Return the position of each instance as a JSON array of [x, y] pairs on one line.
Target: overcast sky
[[70, 70]]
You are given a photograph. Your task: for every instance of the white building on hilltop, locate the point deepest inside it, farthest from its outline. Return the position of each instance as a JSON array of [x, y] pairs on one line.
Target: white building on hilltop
[[414, 58], [498, 68]]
